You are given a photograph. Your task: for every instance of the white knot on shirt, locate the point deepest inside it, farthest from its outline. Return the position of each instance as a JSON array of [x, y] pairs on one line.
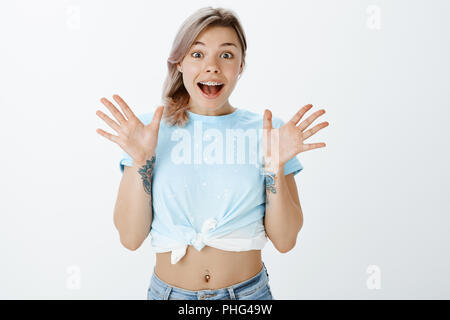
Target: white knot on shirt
[[209, 224]]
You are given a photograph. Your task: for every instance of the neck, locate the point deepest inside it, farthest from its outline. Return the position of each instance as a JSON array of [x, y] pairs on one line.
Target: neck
[[218, 111]]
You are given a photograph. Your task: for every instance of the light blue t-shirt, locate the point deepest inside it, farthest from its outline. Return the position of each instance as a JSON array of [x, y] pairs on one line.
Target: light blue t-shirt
[[210, 169]]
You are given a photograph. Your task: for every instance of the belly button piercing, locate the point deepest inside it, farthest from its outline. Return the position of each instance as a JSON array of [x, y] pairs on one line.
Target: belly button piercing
[[207, 277]]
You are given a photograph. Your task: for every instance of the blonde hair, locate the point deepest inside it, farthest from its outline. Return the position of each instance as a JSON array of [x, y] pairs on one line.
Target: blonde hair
[[175, 96]]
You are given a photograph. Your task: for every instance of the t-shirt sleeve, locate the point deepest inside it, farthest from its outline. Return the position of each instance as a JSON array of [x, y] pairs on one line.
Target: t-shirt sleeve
[[293, 165], [126, 160]]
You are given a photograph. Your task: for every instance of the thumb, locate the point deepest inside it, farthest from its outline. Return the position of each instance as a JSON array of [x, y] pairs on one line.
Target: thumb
[[157, 116], [267, 128], [267, 119]]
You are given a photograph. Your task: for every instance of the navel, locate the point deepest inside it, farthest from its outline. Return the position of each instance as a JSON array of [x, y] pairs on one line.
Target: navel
[[207, 275]]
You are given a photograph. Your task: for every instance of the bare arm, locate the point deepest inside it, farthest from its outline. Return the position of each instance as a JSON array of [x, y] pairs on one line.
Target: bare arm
[[284, 217], [133, 210]]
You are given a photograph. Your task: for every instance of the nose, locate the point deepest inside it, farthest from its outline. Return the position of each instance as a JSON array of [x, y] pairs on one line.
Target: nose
[[212, 69], [212, 66]]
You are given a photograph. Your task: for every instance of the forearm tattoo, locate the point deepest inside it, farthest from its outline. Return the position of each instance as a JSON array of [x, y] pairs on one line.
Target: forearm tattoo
[[269, 181], [146, 172]]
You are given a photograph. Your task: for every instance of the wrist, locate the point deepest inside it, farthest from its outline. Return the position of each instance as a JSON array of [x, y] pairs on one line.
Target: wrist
[[272, 167], [145, 161], [275, 170]]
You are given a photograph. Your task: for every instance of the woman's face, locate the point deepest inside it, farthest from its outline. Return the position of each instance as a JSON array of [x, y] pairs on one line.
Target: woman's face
[[212, 57]]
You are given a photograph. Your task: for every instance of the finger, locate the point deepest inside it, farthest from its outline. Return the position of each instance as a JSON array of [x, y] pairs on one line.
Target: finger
[[314, 129], [311, 146], [108, 135], [109, 121], [124, 106], [116, 113], [267, 128], [305, 124], [267, 119], [275, 147], [296, 118], [157, 117]]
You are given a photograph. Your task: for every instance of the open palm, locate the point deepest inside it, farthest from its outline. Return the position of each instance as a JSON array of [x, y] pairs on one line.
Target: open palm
[[135, 138], [281, 145]]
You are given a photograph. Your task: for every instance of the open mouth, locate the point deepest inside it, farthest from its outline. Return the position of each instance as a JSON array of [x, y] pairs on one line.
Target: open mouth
[[210, 92]]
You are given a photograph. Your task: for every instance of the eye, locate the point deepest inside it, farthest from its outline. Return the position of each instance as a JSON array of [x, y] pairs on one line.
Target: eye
[[200, 53], [228, 53]]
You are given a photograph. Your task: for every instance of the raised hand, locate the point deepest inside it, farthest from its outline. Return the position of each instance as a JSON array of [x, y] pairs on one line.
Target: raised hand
[[281, 145], [135, 138]]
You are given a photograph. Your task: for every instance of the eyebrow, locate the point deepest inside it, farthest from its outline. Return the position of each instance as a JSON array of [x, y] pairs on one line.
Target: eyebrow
[[226, 44]]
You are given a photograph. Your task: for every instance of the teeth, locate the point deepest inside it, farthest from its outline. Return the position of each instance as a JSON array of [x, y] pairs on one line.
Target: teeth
[[211, 83]]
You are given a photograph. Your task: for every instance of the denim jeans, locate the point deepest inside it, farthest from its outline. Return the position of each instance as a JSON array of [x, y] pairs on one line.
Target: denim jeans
[[255, 288]]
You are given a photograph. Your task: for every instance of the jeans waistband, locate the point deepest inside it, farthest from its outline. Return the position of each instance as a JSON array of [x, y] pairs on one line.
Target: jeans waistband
[[261, 278]]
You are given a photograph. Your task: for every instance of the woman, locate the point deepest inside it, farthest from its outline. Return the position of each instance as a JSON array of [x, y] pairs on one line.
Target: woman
[[208, 217]]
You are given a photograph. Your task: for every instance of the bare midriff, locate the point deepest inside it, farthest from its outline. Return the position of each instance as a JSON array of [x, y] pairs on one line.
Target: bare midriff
[[209, 268]]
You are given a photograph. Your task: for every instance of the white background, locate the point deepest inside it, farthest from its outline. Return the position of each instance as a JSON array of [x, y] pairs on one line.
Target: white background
[[376, 195]]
